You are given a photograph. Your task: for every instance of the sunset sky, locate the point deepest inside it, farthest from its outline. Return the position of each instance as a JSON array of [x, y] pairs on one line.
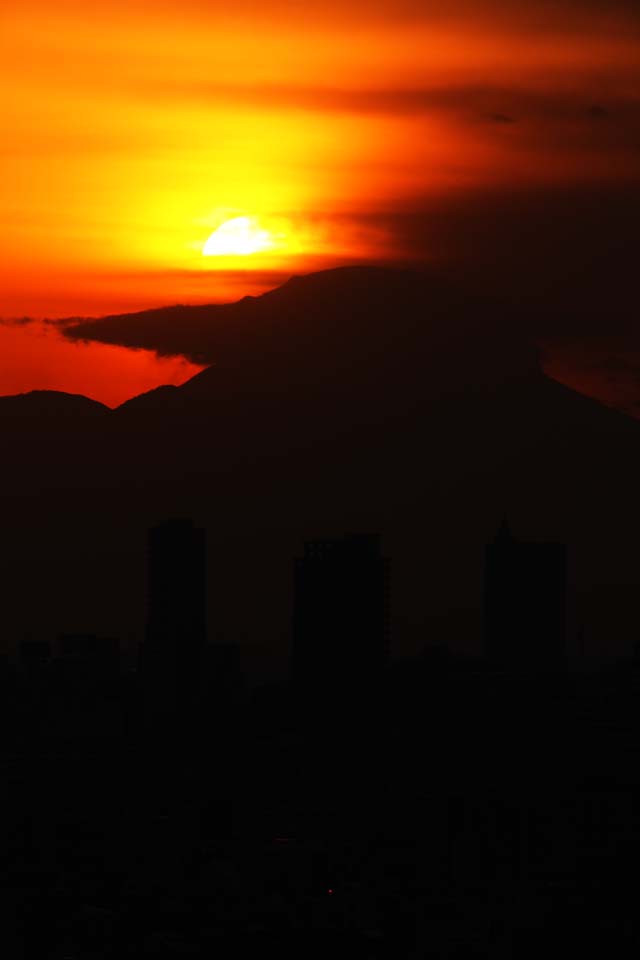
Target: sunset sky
[[132, 130]]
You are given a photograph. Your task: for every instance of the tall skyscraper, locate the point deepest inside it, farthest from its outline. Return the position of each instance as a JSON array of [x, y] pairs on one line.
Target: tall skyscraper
[[525, 603], [176, 618], [341, 611]]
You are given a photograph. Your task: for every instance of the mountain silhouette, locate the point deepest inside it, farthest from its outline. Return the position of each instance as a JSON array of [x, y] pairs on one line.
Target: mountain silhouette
[[356, 308], [349, 400]]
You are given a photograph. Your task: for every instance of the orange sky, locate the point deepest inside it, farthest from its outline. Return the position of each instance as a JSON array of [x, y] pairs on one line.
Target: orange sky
[[131, 130]]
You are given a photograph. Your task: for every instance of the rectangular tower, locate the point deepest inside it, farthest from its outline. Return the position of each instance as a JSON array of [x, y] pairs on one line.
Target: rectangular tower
[[525, 603], [341, 611]]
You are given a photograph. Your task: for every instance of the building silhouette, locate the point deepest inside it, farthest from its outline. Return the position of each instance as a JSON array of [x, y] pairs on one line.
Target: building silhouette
[[341, 611], [171, 655], [87, 660], [35, 654], [525, 588], [89, 648]]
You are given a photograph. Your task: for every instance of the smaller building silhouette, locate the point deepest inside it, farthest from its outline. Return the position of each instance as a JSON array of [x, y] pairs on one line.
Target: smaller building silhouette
[[341, 611], [525, 587], [35, 654], [88, 648], [171, 657], [87, 661]]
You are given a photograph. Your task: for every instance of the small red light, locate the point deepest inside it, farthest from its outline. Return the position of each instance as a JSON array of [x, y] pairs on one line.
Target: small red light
[[330, 891]]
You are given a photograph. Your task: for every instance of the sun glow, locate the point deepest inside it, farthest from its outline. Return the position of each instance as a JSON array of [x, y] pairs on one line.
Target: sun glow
[[239, 237]]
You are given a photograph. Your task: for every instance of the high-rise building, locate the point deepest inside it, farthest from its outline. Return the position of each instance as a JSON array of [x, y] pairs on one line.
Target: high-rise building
[[176, 617], [341, 611], [525, 590]]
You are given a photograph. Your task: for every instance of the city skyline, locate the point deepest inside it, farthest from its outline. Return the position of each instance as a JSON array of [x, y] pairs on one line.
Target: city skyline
[[319, 432]]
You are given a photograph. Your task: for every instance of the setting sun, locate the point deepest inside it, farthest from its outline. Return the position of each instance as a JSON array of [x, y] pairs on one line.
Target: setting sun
[[133, 175], [238, 237]]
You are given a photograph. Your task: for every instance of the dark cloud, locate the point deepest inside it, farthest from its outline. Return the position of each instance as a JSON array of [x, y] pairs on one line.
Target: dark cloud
[[562, 262], [16, 321], [563, 258], [566, 254], [480, 100], [557, 265], [538, 120], [389, 11]]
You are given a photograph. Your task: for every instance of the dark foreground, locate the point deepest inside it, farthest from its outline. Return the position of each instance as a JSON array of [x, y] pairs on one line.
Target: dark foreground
[[446, 811]]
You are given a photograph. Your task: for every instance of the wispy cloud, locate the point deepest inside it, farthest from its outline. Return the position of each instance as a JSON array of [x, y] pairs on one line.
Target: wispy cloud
[[16, 321]]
